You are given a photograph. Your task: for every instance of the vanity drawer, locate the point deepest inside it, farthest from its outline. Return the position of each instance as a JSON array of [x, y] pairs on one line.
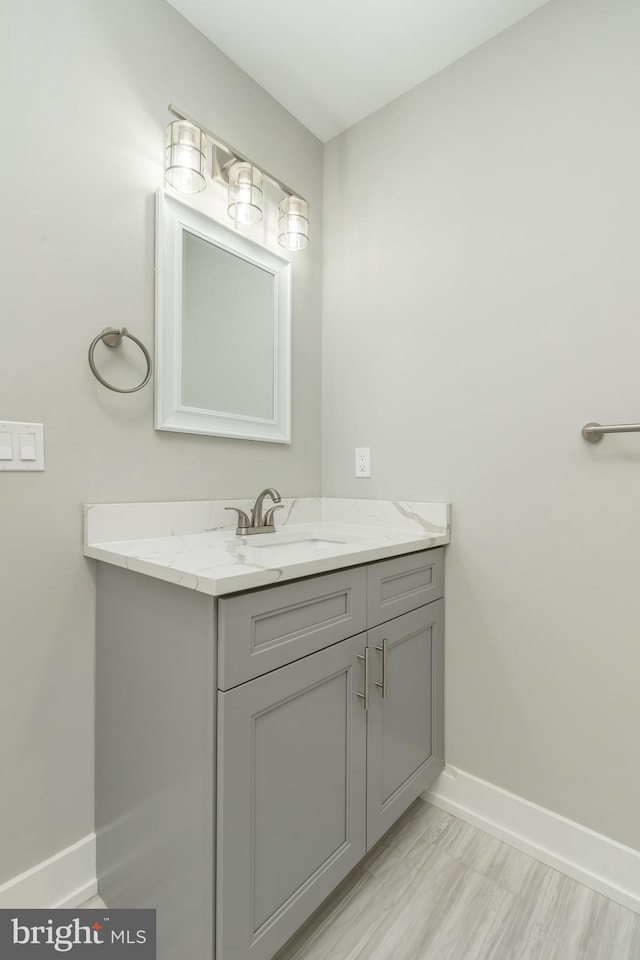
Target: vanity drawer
[[404, 583], [264, 630]]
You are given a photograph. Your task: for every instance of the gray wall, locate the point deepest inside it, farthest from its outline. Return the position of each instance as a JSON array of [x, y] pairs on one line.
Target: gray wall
[[86, 86], [481, 259]]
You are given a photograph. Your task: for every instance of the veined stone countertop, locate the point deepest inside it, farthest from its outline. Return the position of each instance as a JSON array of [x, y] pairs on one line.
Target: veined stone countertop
[[193, 543]]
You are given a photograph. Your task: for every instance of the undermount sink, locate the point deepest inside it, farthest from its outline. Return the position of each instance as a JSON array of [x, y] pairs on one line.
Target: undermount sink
[[282, 540]]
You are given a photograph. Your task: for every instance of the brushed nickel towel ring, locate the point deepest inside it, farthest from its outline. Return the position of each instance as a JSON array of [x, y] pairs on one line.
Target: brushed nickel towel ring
[[112, 337]]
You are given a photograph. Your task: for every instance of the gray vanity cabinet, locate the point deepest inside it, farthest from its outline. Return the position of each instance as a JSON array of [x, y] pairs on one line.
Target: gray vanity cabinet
[[405, 734], [239, 777], [291, 796]]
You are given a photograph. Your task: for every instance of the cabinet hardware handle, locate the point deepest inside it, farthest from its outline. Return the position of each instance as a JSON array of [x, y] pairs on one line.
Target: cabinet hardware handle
[[383, 683], [365, 696]]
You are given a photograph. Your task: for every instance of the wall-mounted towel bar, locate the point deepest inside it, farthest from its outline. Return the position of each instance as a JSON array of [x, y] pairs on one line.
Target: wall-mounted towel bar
[[594, 432]]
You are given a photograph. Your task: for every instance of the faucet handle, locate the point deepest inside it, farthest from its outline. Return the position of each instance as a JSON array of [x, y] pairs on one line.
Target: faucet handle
[[243, 519], [268, 517]]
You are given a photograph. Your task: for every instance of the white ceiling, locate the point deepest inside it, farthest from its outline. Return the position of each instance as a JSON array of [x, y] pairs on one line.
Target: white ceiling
[[333, 62]]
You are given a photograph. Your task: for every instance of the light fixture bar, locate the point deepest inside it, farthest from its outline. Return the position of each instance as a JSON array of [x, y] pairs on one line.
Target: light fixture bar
[[221, 164]]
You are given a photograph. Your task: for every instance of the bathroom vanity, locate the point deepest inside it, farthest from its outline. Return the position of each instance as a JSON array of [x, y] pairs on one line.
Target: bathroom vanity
[[252, 745]]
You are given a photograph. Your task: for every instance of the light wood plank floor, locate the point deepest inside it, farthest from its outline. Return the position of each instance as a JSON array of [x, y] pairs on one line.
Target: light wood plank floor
[[436, 888]]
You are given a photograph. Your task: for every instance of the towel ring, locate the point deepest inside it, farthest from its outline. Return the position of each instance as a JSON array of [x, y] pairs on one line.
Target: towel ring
[[112, 337]]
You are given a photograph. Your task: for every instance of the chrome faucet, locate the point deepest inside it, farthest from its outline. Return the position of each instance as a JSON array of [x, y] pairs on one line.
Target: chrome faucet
[[258, 523]]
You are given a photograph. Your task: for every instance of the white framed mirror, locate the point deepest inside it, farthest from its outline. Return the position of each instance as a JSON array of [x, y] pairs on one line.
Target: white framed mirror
[[223, 329]]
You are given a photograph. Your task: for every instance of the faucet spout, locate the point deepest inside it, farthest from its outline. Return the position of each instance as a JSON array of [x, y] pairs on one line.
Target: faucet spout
[[259, 522], [257, 518]]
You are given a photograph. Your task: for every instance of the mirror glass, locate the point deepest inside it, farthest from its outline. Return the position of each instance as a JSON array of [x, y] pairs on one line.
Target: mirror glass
[[227, 338], [222, 329]]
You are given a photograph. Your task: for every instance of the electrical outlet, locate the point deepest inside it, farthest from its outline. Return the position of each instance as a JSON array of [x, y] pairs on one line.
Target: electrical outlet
[[363, 462]]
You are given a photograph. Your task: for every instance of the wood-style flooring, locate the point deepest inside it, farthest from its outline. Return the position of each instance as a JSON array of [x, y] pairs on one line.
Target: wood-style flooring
[[435, 888]]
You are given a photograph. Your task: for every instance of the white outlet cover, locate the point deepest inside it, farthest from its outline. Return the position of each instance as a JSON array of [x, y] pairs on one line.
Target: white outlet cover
[[363, 461]]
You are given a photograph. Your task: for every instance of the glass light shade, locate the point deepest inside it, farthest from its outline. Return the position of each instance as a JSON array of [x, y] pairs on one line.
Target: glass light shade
[[293, 223], [185, 159], [245, 193]]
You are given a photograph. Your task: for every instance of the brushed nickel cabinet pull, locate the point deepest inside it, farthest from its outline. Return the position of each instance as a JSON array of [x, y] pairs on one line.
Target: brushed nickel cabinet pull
[[382, 685], [365, 696]]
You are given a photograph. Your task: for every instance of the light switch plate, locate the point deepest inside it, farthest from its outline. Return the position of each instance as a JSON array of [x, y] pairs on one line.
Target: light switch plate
[[27, 453]]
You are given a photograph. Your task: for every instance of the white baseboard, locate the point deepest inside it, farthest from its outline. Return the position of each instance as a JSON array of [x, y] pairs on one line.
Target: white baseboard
[[596, 861], [69, 878], [64, 880]]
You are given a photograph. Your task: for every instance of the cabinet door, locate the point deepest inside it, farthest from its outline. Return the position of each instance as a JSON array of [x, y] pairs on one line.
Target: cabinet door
[[405, 734], [291, 795]]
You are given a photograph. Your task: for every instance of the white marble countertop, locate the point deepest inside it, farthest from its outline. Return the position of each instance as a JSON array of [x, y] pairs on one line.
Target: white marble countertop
[[194, 544]]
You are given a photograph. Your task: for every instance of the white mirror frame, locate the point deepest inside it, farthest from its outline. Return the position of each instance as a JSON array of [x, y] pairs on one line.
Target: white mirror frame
[[174, 217]]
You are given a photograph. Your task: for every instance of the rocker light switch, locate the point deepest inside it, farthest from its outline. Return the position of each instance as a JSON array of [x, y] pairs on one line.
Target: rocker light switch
[[6, 446], [27, 446]]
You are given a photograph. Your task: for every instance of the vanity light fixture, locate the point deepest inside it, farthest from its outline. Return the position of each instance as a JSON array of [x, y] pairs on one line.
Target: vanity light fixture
[[185, 164]]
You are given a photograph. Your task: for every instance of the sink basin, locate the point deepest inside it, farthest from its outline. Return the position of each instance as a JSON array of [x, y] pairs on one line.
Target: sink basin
[[275, 541], [287, 546]]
